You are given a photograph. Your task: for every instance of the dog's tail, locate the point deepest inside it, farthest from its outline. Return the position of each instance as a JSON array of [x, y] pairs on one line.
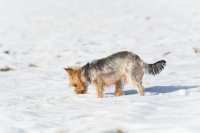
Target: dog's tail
[[155, 68]]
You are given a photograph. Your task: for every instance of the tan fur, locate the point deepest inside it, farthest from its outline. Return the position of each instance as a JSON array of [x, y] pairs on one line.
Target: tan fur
[[118, 88], [99, 87], [76, 81]]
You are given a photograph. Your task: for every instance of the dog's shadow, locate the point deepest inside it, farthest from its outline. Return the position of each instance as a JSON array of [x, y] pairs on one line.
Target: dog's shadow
[[160, 89]]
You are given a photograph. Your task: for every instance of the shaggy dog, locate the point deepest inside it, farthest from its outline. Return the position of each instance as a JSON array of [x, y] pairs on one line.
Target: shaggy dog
[[118, 68]]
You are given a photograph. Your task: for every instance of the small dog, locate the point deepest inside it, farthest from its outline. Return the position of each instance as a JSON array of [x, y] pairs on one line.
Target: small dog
[[118, 68]]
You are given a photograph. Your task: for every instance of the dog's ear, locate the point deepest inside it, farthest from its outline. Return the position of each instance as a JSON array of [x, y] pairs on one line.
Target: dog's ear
[[69, 70]]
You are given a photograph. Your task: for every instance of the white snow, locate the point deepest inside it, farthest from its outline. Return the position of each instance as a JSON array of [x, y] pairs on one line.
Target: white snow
[[53, 34]]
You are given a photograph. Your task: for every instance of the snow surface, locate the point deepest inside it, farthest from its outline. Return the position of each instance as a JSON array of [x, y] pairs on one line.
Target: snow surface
[[44, 36]]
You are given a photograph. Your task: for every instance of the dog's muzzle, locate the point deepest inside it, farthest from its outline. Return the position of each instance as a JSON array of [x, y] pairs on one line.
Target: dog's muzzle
[[80, 91]]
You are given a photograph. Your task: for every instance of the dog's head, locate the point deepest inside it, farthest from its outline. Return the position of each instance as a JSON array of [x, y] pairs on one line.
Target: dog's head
[[76, 80]]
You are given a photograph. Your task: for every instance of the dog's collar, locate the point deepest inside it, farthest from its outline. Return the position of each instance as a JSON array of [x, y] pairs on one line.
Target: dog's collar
[[86, 72]]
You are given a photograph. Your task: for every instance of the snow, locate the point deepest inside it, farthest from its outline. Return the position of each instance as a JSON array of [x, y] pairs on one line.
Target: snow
[[43, 37]]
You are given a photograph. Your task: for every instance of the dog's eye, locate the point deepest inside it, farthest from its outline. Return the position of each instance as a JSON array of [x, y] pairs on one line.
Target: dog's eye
[[75, 85]]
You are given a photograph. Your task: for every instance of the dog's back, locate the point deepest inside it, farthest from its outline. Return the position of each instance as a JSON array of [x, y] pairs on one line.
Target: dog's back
[[114, 62]]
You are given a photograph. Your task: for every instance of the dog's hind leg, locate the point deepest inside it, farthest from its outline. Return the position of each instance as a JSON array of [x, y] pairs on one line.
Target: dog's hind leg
[[140, 89], [136, 80], [118, 88]]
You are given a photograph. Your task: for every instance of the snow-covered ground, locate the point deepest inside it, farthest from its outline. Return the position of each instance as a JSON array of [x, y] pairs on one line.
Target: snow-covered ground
[[38, 38]]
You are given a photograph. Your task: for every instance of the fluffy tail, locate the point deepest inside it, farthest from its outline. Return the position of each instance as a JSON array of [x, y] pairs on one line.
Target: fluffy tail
[[155, 68]]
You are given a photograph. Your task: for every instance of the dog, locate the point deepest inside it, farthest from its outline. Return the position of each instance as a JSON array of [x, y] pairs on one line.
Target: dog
[[116, 69]]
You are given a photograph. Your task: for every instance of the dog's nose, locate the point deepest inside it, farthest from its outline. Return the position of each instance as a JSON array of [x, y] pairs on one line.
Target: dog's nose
[[80, 92]]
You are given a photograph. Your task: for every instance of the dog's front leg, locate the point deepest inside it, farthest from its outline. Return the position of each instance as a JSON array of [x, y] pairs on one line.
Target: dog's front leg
[[99, 88], [118, 88]]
